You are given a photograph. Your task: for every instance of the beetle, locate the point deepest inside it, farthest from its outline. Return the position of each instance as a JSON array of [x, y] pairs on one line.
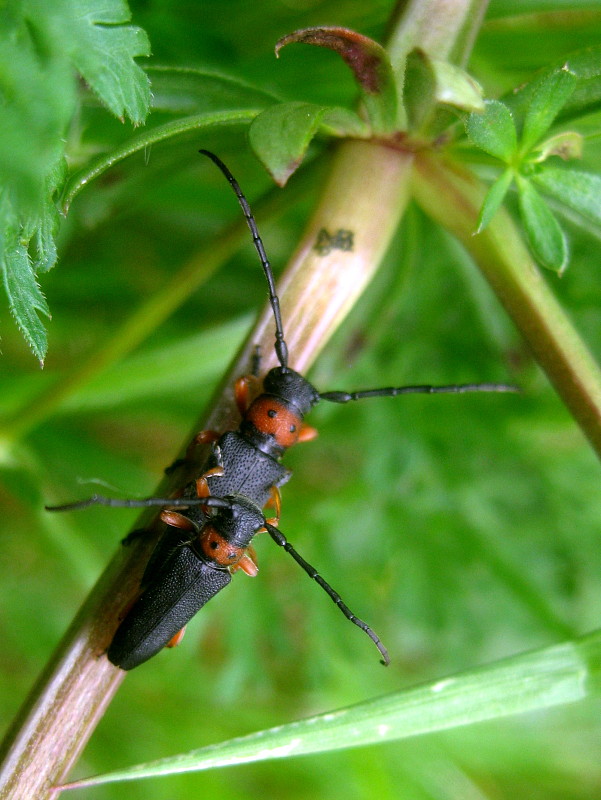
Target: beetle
[[221, 510]]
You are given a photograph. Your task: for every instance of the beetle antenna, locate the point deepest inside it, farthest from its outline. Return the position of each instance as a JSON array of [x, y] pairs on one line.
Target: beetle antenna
[[145, 502], [281, 349], [345, 397], [279, 538]]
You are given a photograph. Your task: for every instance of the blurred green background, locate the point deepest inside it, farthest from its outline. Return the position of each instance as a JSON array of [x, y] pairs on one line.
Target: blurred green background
[[464, 529]]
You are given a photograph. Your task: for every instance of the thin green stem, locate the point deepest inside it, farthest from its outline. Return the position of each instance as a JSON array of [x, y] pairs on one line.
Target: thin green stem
[[453, 197], [147, 138]]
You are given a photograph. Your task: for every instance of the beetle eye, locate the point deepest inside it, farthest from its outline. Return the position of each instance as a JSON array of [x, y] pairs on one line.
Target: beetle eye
[[272, 413]]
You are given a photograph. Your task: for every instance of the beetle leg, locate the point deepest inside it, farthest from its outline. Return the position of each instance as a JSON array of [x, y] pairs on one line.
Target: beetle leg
[[175, 640], [248, 563], [307, 433], [275, 503], [243, 389]]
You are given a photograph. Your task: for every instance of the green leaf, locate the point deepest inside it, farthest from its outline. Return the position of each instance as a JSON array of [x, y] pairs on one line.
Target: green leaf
[[342, 122], [545, 678], [190, 90], [429, 83], [586, 97], [96, 40], [546, 238], [370, 65], [148, 137], [24, 295], [567, 145], [454, 87], [493, 131], [281, 135], [494, 198], [41, 45], [546, 102], [419, 90], [586, 65], [580, 191], [37, 102]]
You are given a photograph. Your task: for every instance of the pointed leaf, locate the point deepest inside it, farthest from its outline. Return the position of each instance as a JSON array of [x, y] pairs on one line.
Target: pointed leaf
[[494, 198], [542, 679], [586, 97], [370, 65], [281, 134], [493, 131], [546, 238], [580, 191], [148, 137], [192, 90], [546, 102], [24, 296], [586, 66]]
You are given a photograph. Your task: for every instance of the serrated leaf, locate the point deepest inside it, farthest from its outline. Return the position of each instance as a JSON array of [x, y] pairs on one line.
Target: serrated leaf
[[494, 198], [546, 238], [24, 296], [493, 131], [580, 191], [281, 134], [546, 102], [102, 47], [369, 63]]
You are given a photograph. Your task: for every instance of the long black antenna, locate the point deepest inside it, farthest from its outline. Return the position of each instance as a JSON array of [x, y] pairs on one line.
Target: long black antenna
[[392, 391], [279, 538], [145, 502], [281, 349]]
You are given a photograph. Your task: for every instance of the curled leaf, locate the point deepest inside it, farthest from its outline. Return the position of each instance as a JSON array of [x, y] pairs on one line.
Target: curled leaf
[[369, 63], [566, 145]]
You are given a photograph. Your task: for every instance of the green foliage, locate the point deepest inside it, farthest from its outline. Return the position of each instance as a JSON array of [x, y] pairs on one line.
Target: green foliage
[[531, 159], [463, 529], [42, 48]]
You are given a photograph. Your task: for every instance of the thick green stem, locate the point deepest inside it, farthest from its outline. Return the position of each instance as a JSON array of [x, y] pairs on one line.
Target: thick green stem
[[453, 198]]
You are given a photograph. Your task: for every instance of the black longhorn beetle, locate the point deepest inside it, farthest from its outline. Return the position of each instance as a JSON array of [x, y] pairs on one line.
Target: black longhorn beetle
[[210, 526]]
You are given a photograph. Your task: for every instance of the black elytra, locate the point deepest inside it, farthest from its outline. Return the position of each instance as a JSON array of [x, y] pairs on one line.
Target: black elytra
[[212, 524]]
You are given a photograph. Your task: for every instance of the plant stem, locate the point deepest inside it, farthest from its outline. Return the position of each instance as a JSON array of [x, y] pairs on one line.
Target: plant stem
[[453, 197], [142, 321], [366, 193]]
